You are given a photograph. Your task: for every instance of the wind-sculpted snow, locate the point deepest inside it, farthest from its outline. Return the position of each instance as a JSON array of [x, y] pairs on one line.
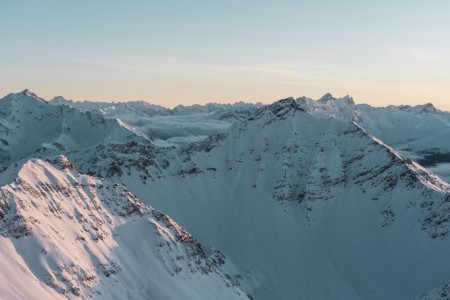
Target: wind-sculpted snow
[[305, 207], [79, 236]]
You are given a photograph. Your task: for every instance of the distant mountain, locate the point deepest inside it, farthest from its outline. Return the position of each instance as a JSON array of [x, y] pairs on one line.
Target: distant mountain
[[177, 126], [305, 207], [114, 109], [29, 123], [419, 132], [142, 108], [64, 235], [327, 106]]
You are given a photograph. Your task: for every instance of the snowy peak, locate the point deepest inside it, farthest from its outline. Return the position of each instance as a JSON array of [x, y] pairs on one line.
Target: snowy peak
[[60, 100], [429, 107], [326, 97], [28, 124], [419, 130], [25, 95], [163, 124], [114, 109], [340, 110], [280, 190], [285, 187], [279, 109], [283, 105], [29, 93], [419, 109], [130, 109], [328, 106], [24, 98], [80, 236], [37, 176]]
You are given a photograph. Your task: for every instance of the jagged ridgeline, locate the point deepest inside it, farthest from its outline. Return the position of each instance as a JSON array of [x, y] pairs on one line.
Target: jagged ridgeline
[[418, 132], [304, 206], [28, 124], [300, 198], [68, 235]]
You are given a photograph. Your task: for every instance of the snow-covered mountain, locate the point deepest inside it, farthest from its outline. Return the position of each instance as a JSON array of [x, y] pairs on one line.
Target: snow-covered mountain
[[64, 235], [301, 198], [178, 126], [142, 108], [327, 106], [420, 128], [28, 123], [305, 207], [419, 132], [114, 109]]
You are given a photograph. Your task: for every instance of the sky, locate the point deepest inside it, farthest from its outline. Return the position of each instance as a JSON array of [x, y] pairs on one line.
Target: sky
[[184, 52]]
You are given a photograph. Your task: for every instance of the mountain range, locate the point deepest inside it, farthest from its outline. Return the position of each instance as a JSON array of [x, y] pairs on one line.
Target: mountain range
[[299, 199], [418, 132]]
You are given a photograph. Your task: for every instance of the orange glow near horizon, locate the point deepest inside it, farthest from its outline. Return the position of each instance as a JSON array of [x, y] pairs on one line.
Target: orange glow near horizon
[[180, 52], [172, 97]]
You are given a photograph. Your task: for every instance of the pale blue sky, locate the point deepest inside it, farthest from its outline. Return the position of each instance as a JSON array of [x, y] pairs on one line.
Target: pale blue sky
[[181, 52]]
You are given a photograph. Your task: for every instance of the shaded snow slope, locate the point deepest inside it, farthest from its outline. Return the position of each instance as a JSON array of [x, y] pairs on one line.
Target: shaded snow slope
[[419, 132], [28, 123], [67, 235], [418, 128], [305, 207]]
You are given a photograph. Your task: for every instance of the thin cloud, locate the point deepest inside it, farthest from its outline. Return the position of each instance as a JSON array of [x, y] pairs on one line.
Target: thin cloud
[[422, 55], [286, 71], [138, 64], [415, 53]]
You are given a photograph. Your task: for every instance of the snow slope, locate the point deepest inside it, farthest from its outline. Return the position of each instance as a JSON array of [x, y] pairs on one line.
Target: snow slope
[[301, 199], [420, 128], [68, 235], [417, 128], [419, 132], [28, 123], [305, 207]]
